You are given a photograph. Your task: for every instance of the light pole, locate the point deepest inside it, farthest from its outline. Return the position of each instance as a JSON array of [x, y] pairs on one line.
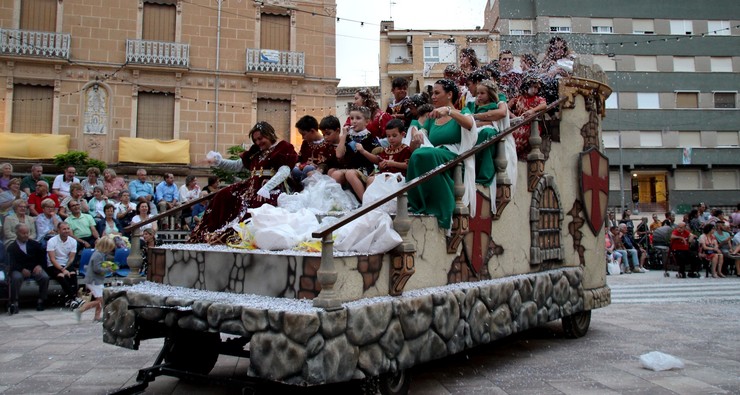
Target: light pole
[[613, 57]]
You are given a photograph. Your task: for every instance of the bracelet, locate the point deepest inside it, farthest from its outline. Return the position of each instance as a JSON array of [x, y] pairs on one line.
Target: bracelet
[[449, 110]]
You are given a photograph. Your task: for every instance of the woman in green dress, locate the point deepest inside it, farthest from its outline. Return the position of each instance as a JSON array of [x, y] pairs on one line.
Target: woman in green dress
[[449, 132]]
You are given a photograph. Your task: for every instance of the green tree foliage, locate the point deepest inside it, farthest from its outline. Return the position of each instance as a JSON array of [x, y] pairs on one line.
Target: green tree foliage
[[230, 177], [80, 160]]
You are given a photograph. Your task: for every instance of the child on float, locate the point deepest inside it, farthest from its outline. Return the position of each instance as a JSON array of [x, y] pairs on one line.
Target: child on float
[[95, 276], [395, 157], [527, 103], [488, 108], [330, 128], [315, 153], [355, 167]]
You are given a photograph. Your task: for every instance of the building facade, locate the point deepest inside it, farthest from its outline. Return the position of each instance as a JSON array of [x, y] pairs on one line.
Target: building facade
[[421, 56], [197, 70], [673, 120]]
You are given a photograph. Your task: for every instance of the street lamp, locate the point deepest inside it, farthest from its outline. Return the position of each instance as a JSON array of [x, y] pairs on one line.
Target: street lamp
[[613, 57]]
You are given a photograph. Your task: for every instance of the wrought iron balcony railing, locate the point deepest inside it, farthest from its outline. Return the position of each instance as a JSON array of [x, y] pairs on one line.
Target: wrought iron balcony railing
[[157, 53], [274, 61], [31, 43]]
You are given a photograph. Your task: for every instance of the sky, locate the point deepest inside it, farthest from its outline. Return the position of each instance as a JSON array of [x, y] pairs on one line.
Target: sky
[[358, 45]]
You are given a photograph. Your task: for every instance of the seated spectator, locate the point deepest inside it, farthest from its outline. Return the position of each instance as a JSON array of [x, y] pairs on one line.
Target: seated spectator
[[214, 184], [6, 174], [109, 225], [142, 214], [41, 194], [709, 250], [188, 191], [670, 219], [28, 183], [198, 210], [655, 224], [125, 209], [7, 197], [616, 238], [148, 240], [61, 251], [681, 239], [610, 251], [142, 191], [47, 222], [26, 260], [77, 195], [167, 197], [97, 203], [724, 241], [63, 182], [82, 225], [20, 216], [633, 250], [93, 180], [112, 184]]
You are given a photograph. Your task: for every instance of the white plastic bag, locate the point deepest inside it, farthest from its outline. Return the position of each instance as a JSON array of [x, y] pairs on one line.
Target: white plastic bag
[[659, 361], [370, 234], [321, 194], [613, 267], [276, 228], [384, 185]]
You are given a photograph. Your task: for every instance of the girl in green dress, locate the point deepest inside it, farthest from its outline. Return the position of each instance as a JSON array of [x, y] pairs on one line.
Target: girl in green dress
[[449, 134]]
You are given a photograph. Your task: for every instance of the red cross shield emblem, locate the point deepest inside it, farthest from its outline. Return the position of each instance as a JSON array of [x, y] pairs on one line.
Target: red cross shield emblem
[[594, 174]]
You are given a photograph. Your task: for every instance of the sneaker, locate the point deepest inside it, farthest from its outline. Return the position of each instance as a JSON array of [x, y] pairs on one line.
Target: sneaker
[[640, 270], [644, 270], [73, 304]]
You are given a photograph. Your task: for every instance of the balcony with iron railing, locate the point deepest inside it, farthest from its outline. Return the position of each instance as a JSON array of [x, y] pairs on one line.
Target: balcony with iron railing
[[48, 45], [275, 62], [157, 53]]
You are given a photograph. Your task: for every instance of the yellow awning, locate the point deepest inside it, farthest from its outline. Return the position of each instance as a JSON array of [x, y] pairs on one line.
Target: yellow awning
[[153, 151], [32, 145]]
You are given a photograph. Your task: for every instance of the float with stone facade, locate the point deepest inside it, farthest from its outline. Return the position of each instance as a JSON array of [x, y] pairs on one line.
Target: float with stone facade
[[314, 318]]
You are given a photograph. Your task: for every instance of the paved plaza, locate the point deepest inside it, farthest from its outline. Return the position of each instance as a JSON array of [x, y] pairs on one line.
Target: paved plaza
[[696, 320]]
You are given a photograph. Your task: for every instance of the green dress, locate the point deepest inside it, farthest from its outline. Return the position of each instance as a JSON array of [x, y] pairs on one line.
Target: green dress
[[485, 169], [436, 196]]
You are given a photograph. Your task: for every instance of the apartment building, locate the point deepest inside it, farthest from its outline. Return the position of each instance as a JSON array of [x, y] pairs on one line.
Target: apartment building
[[422, 55], [673, 120], [189, 70]]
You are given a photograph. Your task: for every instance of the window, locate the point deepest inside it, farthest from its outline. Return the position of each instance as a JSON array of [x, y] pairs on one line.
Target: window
[[602, 26], [275, 32], [687, 179], [546, 218], [718, 28], [648, 100], [724, 99], [612, 101], [687, 100], [651, 139], [643, 26], [646, 63], [614, 180], [399, 53], [39, 15], [682, 27], [683, 63], [559, 25], [520, 27], [611, 139], [155, 117], [431, 51], [724, 179], [689, 139], [721, 64], [159, 22], [605, 62], [481, 51], [276, 112], [32, 109], [728, 139]]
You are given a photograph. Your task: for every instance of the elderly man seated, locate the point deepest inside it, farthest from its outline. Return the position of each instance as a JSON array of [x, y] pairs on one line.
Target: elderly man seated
[[27, 260]]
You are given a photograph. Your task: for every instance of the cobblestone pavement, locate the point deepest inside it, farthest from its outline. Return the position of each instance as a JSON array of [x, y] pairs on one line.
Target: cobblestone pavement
[[696, 320]]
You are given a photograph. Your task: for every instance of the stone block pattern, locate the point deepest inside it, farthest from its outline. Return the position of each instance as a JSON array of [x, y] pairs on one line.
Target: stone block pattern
[[367, 337]]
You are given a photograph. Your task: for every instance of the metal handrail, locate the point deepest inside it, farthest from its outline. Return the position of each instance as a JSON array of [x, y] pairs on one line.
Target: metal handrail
[[169, 212], [353, 215]]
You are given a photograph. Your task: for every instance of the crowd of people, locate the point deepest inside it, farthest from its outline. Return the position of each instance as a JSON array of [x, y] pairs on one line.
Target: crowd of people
[[704, 238], [44, 228]]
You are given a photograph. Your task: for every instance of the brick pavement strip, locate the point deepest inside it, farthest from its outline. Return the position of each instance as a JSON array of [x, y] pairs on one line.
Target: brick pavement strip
[[49, 353]]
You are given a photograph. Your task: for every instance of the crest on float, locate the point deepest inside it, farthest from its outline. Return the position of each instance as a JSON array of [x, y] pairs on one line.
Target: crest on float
[[593, 169]]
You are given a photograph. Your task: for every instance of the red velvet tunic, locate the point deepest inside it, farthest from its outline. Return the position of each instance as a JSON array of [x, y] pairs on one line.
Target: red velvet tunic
[[400, 154], [323, 155], [231, 203]]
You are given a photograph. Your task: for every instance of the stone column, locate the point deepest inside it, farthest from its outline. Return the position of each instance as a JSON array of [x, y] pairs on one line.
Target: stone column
[[503, 182], [402, 257], [327, 276], [535, 158], [134, 259]]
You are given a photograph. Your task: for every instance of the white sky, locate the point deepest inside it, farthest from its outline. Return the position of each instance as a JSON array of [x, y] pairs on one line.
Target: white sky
[[358, 46]]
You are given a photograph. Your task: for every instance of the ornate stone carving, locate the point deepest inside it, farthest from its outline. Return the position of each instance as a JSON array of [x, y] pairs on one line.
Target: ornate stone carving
[[545, 219], [598, 91], [574, 230], [460, 226], [402, 268], [590, 130], [96, 110], [535, 158]]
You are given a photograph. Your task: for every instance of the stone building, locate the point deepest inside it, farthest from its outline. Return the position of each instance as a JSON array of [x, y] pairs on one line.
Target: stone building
[[422, 55], [198, 71], [673, 120]]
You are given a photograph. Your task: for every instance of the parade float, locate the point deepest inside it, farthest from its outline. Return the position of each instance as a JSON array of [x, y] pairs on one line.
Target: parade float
[[531, 254]]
